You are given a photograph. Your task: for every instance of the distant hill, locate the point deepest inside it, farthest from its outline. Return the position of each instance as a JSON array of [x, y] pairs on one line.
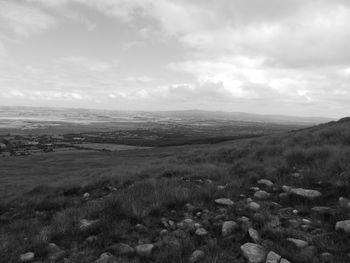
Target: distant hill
[[74, 115]]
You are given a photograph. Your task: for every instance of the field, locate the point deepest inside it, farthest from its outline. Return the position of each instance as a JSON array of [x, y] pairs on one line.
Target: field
[[161, 204]]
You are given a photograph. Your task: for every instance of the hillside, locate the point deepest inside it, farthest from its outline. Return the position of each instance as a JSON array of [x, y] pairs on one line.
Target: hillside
[[252, 200]]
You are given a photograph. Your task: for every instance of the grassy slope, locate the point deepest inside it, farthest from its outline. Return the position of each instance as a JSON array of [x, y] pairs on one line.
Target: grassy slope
[[52, 214]]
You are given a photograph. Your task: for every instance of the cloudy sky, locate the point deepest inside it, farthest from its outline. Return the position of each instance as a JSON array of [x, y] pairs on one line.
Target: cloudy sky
[[272, 56]]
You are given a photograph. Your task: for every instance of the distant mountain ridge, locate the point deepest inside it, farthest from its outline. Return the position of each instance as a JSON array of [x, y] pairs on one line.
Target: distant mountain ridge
[[112, 115]]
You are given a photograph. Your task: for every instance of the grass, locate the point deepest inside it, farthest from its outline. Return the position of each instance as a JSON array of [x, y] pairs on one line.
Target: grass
[[152, 183]]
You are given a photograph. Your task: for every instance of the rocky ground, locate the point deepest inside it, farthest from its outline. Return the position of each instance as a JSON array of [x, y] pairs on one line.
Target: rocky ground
[[269, 223]]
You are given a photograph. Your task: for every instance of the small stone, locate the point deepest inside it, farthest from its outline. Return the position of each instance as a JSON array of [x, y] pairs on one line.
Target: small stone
[[55, 253], [306, 193], [265, 182], [253, 253], [228, 227], [189, 225], [163, 232], [306, 221], [298, 242], [196, 256], [343, 225], [224, 201], [254, 206], [121, 249], [144, 250], [254, 235], [189, 207], [86, 195], [295, 212], [91, 239], [27, 257], [201, 232], [106, 258], [262, 195], [221, 187], [254, 188], [273, 257]]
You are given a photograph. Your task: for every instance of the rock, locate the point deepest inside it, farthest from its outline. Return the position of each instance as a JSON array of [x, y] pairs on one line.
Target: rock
[[188, 225], [265, 182], [326, 257], [84, 223], [201, 232], [272, 257], [144, 250], [173, 243], [121, 249], [27, 257], [298, 242], [293, 223], [253, 206], [262, 195], [106, 258], [296, 174], [224, 201], [306, 221], [221, 187], [86, 195], [163, 232], [253, 253], [255, 189], [283, 260], [344, 202], [189, 207], [286, 188], [306, 193], [343, 225], [196, 256], [254, 235], [228, 227]]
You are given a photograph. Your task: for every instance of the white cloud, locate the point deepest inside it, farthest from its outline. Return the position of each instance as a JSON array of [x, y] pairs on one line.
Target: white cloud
[[24, 20]]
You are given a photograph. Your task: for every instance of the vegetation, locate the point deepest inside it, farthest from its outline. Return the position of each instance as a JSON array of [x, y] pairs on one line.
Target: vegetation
[[128, 209]]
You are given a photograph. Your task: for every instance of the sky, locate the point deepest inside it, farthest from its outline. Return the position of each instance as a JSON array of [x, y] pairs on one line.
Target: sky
[[271, 57]]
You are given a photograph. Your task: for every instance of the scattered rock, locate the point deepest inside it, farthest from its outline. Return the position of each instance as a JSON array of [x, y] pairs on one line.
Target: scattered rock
[[306, 193], [228, 227], [343, 225], [254, 235], [121, 249], [253, 253], [298, 242], [27, 257], [273, 257], [224, 201], [144, 250], [196, 256], [265, 182], [262, 195]]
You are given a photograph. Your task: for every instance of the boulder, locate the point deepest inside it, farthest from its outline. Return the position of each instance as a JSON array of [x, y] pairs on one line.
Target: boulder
[[262, 195], [265, 182], [144, 250], [197, 256], [306, 193], [27, 257], [343, 225], [228, 227], [224, 201], [253, 253]]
